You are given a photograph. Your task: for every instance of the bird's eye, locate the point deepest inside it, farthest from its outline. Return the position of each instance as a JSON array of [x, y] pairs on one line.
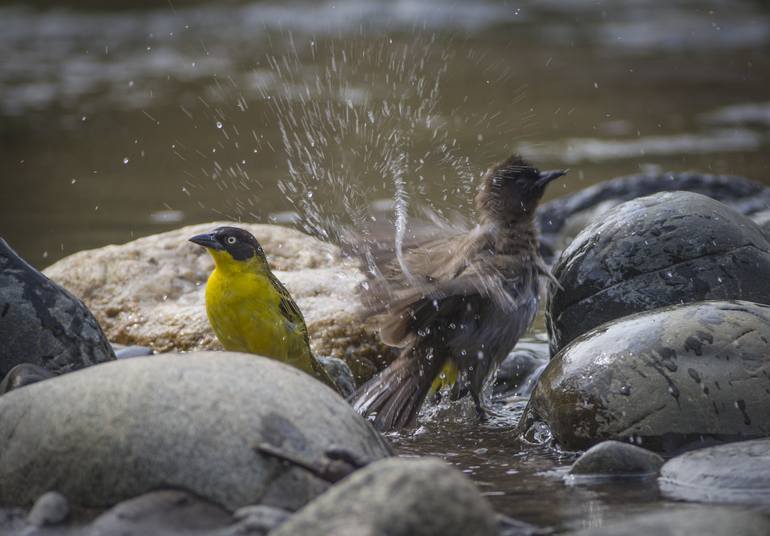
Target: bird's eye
[[231, 240]]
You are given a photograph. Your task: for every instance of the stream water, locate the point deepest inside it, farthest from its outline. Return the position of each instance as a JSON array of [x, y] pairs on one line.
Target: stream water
[[121, 122]]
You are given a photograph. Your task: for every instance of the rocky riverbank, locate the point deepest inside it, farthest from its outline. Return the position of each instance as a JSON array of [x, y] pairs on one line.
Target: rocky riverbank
[[657, 342]]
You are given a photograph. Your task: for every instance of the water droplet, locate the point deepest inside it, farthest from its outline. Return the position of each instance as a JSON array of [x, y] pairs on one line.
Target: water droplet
[[219, 124], [125, 160]]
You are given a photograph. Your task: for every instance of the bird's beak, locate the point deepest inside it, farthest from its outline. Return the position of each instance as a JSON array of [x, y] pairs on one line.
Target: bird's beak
[[548, 176], [206, 240]]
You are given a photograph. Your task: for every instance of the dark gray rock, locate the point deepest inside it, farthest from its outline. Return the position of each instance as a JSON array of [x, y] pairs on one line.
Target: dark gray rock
[[652, 252], [614, 459], [43, 324], [732, 473], [190, 421], [340, 372], [662, 378], [397, 497], [24, 374], [518, 373], [712, 521], [49, 509], [561, 219]]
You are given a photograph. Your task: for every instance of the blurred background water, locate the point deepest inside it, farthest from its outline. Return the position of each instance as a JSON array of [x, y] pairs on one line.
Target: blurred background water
[[122, 121]]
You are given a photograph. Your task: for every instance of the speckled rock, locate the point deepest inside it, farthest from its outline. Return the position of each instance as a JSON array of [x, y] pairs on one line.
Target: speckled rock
[[684, 521], [150, 292], [397, 497], [662, 378], [41, 323], [562, 219], [732, 473], [651, 252], [613, 459], [114, 431]]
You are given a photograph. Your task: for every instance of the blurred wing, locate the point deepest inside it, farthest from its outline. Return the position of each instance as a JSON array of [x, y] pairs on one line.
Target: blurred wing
[[458, 299]]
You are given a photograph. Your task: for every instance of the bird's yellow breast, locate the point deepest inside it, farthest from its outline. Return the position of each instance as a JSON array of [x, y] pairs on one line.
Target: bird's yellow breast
[[244, 310]]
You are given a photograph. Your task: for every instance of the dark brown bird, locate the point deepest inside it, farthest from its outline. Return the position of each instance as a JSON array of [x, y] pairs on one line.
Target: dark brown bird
[[463, 299]]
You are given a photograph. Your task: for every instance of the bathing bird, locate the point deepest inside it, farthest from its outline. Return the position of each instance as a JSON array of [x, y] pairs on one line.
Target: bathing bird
[[458, 303], [249, 308]]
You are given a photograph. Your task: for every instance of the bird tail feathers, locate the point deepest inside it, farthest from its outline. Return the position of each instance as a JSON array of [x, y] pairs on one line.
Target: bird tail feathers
[[392, 399]]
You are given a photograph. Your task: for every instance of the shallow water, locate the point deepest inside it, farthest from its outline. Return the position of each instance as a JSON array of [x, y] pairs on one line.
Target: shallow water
[[120, 123]]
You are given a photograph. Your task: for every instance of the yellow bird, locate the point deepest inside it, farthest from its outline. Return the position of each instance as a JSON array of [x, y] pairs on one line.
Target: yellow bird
[[249, 309]]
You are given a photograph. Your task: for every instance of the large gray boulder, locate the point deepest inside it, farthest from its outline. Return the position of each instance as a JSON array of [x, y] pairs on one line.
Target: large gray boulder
[[150, 292], [662, 378], [41, 323], [651, 252], [117, 430], [397, 497], [732, 473]]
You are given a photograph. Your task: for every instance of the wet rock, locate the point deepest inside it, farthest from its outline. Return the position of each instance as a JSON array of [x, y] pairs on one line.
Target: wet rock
[[150, 292], [518, 373], [732, 473], [341, 374], [41, 323], [397, 497], [665, 249], [168, 512], [24, 374], [49, 509], [614, 459], [563, 218], [259, 519], [716, 521], [126, 352], [192, 421], [662, 378]]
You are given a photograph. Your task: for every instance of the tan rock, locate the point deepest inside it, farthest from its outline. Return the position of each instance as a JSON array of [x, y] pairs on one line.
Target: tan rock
[[150, 291]]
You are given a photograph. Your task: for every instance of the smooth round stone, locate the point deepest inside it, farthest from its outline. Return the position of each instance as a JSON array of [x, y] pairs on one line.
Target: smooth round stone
[[190, 421], [613, 459], [732, 473], [662, 379], [49, 509], [665, 249], [41, 323], [166, 512], [519, 371], [397, 497]]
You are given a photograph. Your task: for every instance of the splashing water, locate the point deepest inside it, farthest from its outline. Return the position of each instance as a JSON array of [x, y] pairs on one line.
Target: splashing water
[[350, 123]]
